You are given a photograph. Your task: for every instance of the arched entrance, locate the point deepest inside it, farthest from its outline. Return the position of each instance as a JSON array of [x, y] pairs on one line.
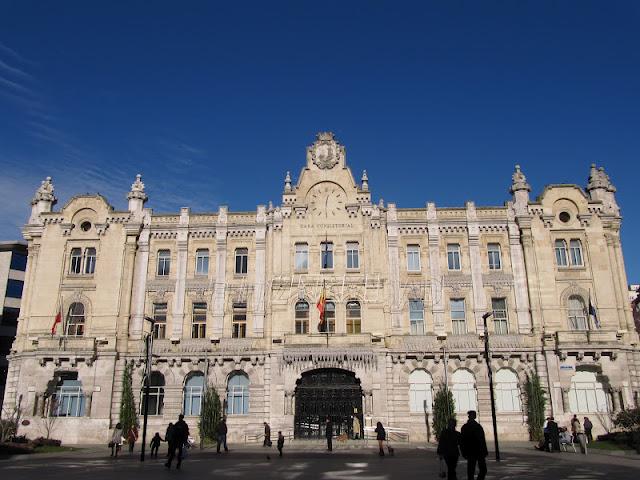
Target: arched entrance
[[328, 392]]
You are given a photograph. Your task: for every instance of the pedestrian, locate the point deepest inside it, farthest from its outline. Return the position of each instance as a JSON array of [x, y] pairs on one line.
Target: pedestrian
[[267, 435], [155, 444], [356, 427], [132, 437], [578, 434], [179, 435], [574, 420], [588, 427], [167, 437], [328, 432], [449, 448], [280, 442], [474, 447], [221, 434], [116, 440], [381, 436], [553, 442]]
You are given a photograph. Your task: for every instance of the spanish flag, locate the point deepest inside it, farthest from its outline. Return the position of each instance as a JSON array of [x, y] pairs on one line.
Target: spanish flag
[[322, 325]]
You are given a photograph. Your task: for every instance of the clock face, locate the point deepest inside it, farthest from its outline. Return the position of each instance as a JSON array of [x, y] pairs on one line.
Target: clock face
[[326, 200]]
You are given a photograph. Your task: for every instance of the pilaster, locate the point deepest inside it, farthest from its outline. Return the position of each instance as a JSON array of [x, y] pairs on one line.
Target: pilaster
[[181, 275], [138, 295], [221, 268], [437, 289], [519, 276], [479, 300], [394, 266], [260, 272]]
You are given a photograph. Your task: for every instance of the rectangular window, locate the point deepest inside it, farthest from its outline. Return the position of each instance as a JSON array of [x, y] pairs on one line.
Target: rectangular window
[[14, 288], [75, 266], [89, 261], [453, 256], [495, 259], [301, 258], [330, 317], [500, 321], [458, 322], [413, 258], [160, 319], [164, 263], [354, 322], [575, 250], [239, 320], [18, 262], [353, 259], [202, 261], [302, 318], [199, 320], [561, 253], [416, 317], [242, 261], [326, 255]]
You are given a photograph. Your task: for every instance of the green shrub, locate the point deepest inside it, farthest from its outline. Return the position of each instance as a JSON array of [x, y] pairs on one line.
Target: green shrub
[[536, 402], [443, 410]]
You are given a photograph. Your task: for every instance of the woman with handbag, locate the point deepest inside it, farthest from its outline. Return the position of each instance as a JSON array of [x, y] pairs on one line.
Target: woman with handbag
[[116, 440], [381, 436]]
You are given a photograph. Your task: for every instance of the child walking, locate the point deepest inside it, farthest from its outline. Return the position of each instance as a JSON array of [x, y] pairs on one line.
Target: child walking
[[155, 444]]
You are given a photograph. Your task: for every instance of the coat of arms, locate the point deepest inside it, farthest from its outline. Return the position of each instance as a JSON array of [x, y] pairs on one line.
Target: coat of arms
[[324, 152]]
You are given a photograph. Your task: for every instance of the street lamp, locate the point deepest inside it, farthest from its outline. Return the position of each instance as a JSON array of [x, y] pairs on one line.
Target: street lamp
[[493, 400], [148, 341]]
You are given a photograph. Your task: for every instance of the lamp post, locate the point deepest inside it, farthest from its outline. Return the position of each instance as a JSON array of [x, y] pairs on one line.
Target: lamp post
[[493, 400], [148, 341]]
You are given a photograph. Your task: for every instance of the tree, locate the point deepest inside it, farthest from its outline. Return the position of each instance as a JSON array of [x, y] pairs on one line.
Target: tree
[[210, 414], [443, 409], [10, 421], [50, 419], [128, 416], [536, 402]]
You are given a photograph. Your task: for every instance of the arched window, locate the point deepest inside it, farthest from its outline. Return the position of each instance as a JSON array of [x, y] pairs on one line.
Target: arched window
[[587, 395], [156, 394], [238, 394], [575, 250], [577, 313], [561, 253], [464, 391], [330, 317], [68, 400], [89, 260], [507, 391], [420, 392], [193, 392], [75, 320], [353, 317], [302, 317]]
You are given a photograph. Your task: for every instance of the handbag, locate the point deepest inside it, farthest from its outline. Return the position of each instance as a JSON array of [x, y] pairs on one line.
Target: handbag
[[110, 444]]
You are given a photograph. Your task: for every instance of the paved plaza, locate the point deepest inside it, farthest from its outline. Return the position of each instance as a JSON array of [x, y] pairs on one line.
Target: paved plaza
[[311, 462]]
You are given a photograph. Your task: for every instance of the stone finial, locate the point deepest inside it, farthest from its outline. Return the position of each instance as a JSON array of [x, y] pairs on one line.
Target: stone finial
[[44, 192], [287, 183], [519, 181], [599, 179], [381, 203], [520, 190], [137, 196], [365, 181]]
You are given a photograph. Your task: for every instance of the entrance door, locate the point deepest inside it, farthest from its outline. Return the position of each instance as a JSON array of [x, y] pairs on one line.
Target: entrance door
[[328, 392]]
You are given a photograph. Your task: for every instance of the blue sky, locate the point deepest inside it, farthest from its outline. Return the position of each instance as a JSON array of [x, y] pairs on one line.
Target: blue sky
[[213, 102]]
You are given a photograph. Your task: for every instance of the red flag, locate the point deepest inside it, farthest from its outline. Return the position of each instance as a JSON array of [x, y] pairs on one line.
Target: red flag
[[56, 322], [321, 306]]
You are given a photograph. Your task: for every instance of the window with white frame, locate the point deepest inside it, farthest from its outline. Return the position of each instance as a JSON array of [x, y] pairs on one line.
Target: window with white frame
[[500, 320], [301, 258], [75, 320], [302, 317], [68, 400], [464, 390], [192, 395], [164, 263], [420, 392], [202, 261], [458, 321], [239, 320], [89, 261], [242, 261], [507, 391], [199, 320], [330, 317], [453, 256], [75, 264], [562, 255], [326, 255], [353, 316], [495, 256], [586, 394], [413, 258], [238, 394], [160, 320], [353, 255], [575, 252], [416, 316], [156, 394], [577, 313]]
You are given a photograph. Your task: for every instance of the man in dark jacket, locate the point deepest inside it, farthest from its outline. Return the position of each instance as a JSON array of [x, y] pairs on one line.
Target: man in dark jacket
[[221, 433], [329, 434], [553, 443], [474, 447], [267, 435], [179, 436], [448, 448]]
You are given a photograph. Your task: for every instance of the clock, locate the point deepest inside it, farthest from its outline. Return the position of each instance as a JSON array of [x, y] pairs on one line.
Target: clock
[[326, 199]]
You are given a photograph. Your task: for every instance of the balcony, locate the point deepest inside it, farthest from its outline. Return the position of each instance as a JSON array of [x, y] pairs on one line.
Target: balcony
[[586, 337], [334, 339], [67, 344]]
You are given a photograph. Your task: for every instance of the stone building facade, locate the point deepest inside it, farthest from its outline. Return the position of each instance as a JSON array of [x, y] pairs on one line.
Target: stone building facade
[[233, 296]]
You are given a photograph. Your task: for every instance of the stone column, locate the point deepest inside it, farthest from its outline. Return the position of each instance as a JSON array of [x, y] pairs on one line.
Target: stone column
[[625, 306], [531, 271], [615, 394], [260, 272], [565, 400], [29, 276], [437, 288], [519, 276], [221, 268], [394, 267], [479, 299], [141, 268], [181, 275]]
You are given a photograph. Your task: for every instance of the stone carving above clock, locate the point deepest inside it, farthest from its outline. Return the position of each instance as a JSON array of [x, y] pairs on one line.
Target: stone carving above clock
[[325, 152]]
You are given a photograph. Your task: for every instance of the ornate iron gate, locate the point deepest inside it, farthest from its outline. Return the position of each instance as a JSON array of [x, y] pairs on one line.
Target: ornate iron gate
[[328, 392]]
